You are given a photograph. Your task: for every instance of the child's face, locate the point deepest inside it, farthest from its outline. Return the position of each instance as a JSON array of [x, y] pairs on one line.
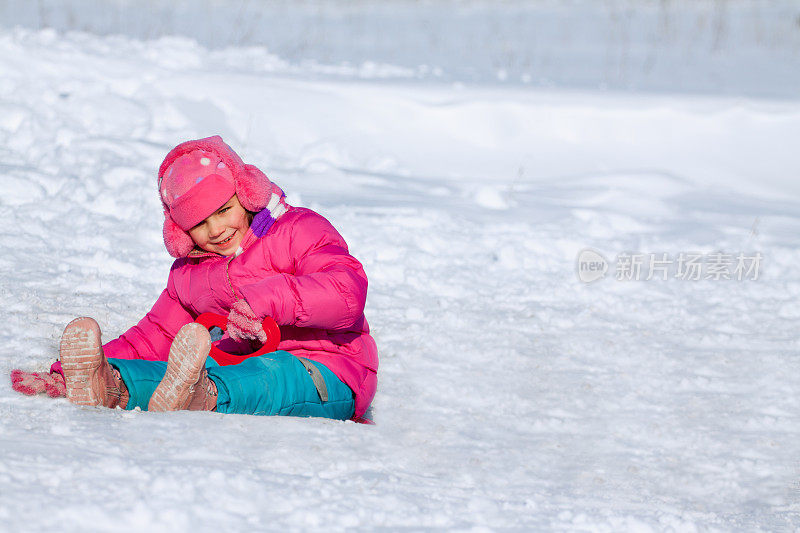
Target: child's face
[[222, 232]]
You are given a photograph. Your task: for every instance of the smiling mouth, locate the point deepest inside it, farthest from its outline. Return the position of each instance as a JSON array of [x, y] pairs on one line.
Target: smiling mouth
[[224, 241]]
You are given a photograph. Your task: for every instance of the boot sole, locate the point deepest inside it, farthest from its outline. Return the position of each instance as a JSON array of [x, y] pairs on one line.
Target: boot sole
[[187, 357], [81, 355]]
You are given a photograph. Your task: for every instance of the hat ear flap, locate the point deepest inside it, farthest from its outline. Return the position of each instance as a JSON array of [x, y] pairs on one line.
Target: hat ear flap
[[253, 188], [177, 241]]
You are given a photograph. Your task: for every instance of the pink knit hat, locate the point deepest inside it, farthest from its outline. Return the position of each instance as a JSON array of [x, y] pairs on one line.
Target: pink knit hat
[[197, 178]]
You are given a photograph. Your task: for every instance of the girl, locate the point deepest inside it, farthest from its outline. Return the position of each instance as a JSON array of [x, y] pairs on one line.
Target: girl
[[243, 252]]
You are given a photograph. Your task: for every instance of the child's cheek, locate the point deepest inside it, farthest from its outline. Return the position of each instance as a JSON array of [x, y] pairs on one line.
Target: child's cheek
[[197, 236]]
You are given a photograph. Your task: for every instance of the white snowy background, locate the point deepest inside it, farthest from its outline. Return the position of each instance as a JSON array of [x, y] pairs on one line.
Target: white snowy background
[[466, 165]]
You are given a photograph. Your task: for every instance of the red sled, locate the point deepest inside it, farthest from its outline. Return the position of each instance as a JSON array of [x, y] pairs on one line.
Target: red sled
[[210, 320]]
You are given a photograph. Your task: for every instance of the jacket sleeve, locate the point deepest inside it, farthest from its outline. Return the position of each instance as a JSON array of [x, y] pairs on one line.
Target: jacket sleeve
[[327, 287], [152, 336]]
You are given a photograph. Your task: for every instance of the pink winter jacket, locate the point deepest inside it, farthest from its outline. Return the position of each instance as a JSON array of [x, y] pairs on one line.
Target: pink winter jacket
[[300, 273]]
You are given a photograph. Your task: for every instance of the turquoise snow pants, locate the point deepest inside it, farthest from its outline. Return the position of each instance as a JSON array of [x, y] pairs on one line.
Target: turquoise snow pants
[[276, 383]]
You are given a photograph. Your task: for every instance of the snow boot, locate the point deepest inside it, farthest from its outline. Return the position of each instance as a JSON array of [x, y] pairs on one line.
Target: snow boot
[[89, 379], [186, 384]]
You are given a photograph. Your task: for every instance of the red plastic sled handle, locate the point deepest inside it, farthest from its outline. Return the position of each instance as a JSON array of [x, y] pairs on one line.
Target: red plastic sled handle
[[209, 320]]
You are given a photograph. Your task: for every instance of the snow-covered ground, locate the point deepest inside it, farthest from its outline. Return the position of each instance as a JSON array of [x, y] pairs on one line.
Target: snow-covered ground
[[709, 46], [511, 394]]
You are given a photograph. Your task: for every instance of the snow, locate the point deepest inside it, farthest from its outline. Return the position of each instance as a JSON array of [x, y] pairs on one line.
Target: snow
[[706, 46], [511, 394]]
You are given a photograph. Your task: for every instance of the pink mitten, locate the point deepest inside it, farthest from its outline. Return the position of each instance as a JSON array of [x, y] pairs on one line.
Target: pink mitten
[[54, 385], [243, 324], [36, 382]]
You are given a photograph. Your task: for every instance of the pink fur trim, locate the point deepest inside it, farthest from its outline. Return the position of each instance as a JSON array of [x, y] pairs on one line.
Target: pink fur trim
[[177, 241], [253, 188]]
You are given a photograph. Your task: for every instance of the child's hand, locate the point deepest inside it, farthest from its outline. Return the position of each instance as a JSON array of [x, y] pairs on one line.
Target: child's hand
[[36, 382], [243, 324]]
